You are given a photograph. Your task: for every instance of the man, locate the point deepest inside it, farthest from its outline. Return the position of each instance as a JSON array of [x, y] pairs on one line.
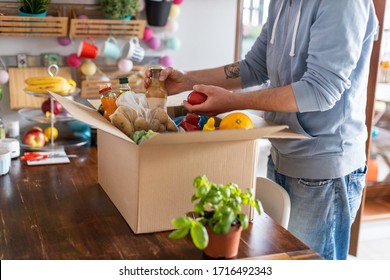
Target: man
[[315, 55]]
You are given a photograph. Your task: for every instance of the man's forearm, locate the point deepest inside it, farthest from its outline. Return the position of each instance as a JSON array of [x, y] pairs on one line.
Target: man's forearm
[[227, 76], [279, 99]]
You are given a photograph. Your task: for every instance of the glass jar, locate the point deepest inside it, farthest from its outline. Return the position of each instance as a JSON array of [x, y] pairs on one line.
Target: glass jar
[[108, 99], [124, 85], [156, 94]]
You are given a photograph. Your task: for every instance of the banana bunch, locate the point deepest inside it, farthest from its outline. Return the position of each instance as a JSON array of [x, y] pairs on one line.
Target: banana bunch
[[57, 84]]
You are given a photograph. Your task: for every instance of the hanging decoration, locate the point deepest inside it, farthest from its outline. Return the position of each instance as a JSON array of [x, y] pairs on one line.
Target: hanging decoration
[[172, 25], [73, 60], [88, 68], [125, 65], [148, 34], [166, 61], [154, 43], [64, 41]]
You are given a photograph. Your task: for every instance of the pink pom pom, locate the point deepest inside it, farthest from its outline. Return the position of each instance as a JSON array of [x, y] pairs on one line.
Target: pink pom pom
[[73, 60], [154, 43], [64, 41], [177, 2], [166, 61], [148, 34], [172, 25], [82, 17], [4, 77], [125, 65]]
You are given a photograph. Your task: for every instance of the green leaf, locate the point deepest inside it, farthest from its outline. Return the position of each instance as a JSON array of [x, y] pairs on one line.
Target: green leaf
[[181, 222], [199, 236], [179, 233], [244, 220], [201, 181], [222, 228]]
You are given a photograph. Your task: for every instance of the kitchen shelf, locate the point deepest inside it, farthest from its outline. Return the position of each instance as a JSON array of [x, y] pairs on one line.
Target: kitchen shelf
[[99, 27], [11, 24]]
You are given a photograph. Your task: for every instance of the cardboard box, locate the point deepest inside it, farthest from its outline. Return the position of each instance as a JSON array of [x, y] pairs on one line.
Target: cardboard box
[[152, 183]]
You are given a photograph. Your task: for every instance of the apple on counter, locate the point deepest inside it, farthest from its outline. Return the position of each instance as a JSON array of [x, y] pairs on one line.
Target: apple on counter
[[34, 137]]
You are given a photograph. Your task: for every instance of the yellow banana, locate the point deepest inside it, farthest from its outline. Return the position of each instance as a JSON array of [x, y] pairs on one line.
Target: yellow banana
[[71, 82], [60, 88], [41, 80]]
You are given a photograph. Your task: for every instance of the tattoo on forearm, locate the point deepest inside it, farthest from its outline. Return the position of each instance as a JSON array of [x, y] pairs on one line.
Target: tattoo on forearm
[[232, 71]]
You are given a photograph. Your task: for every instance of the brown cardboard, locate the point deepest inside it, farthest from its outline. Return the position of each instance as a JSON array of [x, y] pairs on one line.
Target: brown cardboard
[[151, 183]]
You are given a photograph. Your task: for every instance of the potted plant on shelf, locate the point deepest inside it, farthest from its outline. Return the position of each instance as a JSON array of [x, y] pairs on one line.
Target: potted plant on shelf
[[217, 220], [157, 11], [119, 9], [33, 8]]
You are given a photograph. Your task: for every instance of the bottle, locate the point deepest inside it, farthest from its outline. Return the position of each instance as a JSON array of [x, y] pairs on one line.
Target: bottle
[[156, 94], [108, 98], [124, 85], [12, 129], [2, 128]]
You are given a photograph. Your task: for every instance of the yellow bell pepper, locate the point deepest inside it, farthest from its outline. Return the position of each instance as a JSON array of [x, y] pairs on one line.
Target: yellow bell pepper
[[209, 125]]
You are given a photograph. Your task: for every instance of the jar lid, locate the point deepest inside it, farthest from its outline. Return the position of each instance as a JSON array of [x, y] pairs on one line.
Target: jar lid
[[123, 80], [104, 89], [155, 68]]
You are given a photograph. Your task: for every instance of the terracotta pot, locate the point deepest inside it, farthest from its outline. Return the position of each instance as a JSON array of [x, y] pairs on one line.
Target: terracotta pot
[[223, 245]]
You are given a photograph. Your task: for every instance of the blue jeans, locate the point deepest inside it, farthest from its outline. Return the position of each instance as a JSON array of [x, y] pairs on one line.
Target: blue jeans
[[322, 211]]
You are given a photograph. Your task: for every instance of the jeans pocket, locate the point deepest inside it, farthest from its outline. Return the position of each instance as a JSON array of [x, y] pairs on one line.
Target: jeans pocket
[[357, 180], [314, 183]]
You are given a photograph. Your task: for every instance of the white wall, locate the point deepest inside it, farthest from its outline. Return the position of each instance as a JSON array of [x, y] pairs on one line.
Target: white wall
[[206, 30]]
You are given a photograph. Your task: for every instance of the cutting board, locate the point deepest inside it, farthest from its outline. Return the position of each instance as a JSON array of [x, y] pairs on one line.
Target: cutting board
[[18, 97]]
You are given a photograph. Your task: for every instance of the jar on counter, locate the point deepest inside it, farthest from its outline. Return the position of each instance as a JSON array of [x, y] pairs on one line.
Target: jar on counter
[[108, 99], [156, 94]]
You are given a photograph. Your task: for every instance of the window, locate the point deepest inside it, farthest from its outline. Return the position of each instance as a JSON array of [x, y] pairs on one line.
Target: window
[[253, 14]]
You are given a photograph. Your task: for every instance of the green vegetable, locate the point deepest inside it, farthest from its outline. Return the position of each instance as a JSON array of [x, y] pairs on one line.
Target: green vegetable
[[141, 136]]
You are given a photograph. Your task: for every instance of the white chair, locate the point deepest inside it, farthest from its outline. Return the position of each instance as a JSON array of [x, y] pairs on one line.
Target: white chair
[[274, 199]]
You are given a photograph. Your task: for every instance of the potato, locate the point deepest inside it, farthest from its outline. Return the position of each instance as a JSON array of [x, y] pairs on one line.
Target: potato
[[141, 124], [122, 123], [130, 113], [160, 114], [162, 128], [155, 125]]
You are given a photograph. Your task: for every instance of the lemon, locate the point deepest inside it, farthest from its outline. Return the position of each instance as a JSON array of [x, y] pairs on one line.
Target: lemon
[[48, 132]]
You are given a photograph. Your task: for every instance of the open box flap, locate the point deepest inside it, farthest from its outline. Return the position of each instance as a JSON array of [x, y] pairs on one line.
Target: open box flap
[[262, 129], [89, 116]]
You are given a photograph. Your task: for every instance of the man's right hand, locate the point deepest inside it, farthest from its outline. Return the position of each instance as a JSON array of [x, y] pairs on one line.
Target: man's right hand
[[174, 80]]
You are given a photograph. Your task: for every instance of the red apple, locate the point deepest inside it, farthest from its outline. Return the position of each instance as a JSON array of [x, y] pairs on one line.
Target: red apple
[[46, 107], [34, 138]]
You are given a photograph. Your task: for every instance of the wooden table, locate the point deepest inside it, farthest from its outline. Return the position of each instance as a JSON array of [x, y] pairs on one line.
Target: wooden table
[[60, 212]]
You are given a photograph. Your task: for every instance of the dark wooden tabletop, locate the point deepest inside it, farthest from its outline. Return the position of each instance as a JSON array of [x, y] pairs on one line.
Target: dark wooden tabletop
[[60, 212]]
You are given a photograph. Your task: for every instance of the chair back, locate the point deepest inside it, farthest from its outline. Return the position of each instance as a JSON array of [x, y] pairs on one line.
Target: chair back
[[274, 199]]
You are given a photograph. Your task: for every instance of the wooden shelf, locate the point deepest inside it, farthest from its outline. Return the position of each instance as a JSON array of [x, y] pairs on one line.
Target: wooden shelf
[[13, 25], [91, 85], [99, 27]]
